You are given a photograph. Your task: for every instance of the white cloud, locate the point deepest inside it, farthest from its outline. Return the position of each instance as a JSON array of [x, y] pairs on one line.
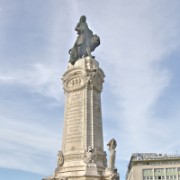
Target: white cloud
[[140, 40], [27, 145], [41, 78], [136, 38]]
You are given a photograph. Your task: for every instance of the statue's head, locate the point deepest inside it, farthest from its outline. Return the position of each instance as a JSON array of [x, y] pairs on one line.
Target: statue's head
[[83, 18]]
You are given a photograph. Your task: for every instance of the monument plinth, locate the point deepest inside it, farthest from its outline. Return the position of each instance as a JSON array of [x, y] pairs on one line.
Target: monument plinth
[[82, 156], [82, 144]]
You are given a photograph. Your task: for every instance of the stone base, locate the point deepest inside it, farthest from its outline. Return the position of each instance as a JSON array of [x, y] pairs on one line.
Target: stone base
[[110, 175], [82, 178], [74, 178], [89, 172]]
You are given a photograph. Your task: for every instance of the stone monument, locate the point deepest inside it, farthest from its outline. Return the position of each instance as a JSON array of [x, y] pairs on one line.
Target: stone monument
[[82, 156]]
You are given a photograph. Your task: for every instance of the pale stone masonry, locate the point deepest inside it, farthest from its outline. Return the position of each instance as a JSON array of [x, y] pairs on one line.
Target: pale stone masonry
[[82, 155], [152, 166]]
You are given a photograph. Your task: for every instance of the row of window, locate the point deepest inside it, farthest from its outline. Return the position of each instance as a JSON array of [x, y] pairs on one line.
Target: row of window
[[160, 177], [165, 162], [171, 177], [161, 170]]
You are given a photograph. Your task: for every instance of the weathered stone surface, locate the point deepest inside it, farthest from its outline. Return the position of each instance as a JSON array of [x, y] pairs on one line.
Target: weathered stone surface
[[82, 154]]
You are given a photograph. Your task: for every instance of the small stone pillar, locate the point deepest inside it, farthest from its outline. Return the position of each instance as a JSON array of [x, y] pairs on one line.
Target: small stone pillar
[[111, 164], [111, 172], [112, 146]]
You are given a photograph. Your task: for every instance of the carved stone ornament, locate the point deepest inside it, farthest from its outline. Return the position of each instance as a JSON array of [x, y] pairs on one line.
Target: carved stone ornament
[[112, 144], [60, 162], [95, 79], [60, 158], [90, 155], [74, 81]]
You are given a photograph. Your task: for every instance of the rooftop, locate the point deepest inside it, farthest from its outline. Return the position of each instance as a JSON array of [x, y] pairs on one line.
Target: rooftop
[[152, 156]]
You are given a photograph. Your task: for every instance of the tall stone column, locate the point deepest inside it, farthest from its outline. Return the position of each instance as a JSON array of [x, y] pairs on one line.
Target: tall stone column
[[82, 154]]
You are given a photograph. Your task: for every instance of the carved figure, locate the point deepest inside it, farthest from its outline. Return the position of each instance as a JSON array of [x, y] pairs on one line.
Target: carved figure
[[112, 146], [90, 155], [60, 158], [85, 43], [60, 162]]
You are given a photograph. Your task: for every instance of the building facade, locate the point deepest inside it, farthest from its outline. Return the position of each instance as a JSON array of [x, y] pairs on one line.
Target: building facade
[[152, 166]]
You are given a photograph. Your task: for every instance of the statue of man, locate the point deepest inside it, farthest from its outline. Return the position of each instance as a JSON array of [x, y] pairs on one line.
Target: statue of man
[[83, 40], [85, 43]]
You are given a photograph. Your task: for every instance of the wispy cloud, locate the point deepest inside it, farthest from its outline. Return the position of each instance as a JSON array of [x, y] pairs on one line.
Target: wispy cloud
[[136, 39], [137, 48], [41, 78], [26, 145]]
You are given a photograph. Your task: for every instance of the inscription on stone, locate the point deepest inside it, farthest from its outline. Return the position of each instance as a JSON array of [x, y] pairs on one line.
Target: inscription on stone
[[74, 121], [98, 121]]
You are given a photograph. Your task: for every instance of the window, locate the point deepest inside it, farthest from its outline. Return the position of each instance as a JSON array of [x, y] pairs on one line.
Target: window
[[147, 177], [171, 169], [159, 170], [147, 170]]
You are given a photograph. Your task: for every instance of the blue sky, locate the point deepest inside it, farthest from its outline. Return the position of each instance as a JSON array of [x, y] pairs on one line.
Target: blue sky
[[139, 54]]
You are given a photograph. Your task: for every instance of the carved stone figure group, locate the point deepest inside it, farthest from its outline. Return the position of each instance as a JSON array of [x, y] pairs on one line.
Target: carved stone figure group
[[90, 155]]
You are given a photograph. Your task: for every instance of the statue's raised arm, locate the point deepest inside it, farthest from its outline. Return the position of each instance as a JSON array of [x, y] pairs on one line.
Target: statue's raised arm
[[85, 43]]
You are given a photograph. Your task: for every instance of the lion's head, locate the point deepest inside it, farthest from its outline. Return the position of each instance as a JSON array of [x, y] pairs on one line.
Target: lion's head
[[95, 42]]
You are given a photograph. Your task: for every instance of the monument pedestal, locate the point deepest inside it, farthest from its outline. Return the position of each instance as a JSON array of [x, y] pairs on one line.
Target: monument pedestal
[[82, 156]]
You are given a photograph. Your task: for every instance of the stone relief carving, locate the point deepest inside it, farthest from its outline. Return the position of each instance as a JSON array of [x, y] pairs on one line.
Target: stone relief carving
[[73, 81], [60, 158], [60, 162], [90, 155], [92, 79]]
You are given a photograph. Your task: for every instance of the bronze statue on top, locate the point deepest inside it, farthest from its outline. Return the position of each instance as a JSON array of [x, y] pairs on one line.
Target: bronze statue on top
[[85, 43]]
